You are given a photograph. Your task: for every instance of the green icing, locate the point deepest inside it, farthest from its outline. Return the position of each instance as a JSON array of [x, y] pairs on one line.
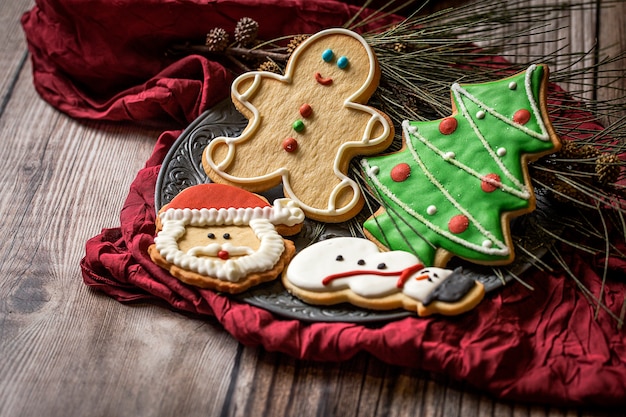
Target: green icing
[[453, 184]]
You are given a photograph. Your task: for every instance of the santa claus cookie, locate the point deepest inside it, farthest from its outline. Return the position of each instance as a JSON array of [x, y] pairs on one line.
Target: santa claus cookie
[[305, 126], [223, 238], [353, 270]]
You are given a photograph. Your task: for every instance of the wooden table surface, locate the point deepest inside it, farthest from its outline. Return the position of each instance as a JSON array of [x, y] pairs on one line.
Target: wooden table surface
[[68, 351]]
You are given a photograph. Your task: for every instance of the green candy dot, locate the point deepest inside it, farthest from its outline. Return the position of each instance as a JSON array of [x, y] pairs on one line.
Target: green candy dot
[[298, 125]]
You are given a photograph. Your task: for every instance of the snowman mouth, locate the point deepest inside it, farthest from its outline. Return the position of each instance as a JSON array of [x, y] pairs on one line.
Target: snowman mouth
[[403, 274], [321, 80]]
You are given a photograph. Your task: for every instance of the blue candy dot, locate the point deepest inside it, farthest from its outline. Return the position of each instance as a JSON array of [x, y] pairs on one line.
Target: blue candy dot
[[328, 55], [342, 62]]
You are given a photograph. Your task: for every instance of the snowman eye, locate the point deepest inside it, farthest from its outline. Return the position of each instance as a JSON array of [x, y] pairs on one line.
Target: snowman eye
[[343, 62], [328, 55], [361, 262], [339, 258], [435, 275], [211, 235], [382, 266], [226, 236]]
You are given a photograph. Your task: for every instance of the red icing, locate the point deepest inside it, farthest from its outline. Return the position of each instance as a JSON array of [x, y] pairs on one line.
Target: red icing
[[448, 125], [305, 110], [322, 80], [215, 196], [400, 172], [290, 145], [458, 224], [223, 254], [488, 186], [404, 275], [521, 116]]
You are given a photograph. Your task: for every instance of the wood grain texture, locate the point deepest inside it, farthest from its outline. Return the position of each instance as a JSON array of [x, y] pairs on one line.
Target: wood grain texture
[[68, 351]]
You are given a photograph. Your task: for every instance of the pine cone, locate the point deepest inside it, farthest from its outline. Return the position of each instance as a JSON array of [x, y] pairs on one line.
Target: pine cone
[[399, 47], [588, 152], [608, 168], [295, 42], [565, 193], [246, 31], [569, 150], [270, 66], [217, 40]]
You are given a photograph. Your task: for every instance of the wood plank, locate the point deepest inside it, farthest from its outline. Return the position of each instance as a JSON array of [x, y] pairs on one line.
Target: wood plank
[[66, 350], [12, 48], [612, 45]]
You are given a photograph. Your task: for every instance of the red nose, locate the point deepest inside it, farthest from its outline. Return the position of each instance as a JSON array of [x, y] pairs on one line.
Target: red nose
[[223, 254]]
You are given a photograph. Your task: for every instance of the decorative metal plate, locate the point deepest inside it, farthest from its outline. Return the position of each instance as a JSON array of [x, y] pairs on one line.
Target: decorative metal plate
[[182, 168]]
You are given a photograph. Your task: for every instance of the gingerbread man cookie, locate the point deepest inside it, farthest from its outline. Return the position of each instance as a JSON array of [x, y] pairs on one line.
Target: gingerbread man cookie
[[305, 126], [224, 238]]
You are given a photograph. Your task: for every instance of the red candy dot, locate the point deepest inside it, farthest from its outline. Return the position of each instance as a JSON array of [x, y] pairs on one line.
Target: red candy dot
[[521, 116], [305, 110], [400, 172], [223, 254], [458, 224], [487, 183], [448, 125], [290, 145]]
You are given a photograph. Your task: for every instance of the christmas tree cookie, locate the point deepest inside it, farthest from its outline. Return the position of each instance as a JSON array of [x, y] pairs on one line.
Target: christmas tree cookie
[[456, 183]]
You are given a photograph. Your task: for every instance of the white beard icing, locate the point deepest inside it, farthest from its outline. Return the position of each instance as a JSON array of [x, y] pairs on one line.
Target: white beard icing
[[313, 264], [233, 270]]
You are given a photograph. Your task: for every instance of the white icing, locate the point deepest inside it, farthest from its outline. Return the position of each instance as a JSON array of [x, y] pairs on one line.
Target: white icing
[[512, 85], [424, 282], [480, 114], [432, 210], [449, 155], [413, 129], [374, 170], [487, 243], [501, 152], [254, 122], [284, 211], [233, 270], [312, 265]]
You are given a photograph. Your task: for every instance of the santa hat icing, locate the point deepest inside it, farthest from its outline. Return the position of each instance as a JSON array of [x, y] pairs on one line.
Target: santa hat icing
[[212, 203]]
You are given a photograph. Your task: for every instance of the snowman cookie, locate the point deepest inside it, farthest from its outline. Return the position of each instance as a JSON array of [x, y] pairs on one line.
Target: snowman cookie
[[223, 238], [305, 127], [353, 270]]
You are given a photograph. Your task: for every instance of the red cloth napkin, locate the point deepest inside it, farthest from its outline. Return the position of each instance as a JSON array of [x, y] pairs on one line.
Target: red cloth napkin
[[103, 60], [106, 59]]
